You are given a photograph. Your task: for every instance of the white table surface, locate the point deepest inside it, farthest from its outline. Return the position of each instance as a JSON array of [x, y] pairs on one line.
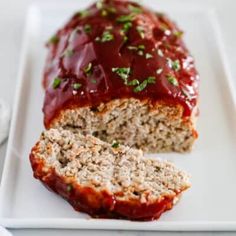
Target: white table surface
[[12, 13]]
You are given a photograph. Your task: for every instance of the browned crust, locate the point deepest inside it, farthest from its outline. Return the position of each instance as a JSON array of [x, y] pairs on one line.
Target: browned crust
[[175, 110], [98, 204]]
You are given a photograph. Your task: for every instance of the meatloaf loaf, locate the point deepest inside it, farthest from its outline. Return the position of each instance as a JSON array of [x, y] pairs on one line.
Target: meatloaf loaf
[[119, 71], [106, 180]]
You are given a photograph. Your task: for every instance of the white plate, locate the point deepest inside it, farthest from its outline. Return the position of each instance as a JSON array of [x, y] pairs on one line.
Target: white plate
[[210, 203]]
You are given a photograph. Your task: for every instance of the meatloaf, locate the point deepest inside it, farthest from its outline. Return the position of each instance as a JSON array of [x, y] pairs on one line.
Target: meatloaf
[[119, 71], [106, 180]]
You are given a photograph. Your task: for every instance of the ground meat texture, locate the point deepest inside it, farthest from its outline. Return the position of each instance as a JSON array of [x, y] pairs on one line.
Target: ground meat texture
[[106, 180], [150, 127]]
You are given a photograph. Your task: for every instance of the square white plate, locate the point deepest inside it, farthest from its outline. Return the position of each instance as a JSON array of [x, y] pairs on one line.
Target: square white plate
[[210, 203]]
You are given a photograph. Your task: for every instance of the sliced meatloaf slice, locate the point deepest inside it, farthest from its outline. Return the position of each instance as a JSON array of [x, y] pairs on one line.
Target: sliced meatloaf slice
[[106, 180]]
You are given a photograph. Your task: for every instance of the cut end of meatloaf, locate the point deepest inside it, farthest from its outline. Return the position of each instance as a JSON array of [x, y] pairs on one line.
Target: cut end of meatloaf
[[106, 180], [139, 124]]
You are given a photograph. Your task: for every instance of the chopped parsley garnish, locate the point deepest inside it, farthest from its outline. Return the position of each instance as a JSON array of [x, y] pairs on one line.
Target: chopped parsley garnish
[[160, 53], [68, 53], [133, 82], [134, 9], [56, 82], [94, 81], [159, 71], [76, 86], [88, 69], [115, 144], [123, 72], [178, 34], [106, 37], [107, 10], [141, 31], [54, 39], [83, 14], [151, 80], [172, 80], [125, 18], [140, 49], [87, 28], [148, 56], [175, 65], [126, 27], [143, 85]]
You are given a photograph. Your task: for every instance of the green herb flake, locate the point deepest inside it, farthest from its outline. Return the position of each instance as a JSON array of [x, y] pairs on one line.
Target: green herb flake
[[125, 18], [172, 80], [178, 34], [123, 72], [56, 82], [106, 37], [115, 144], [88, 69], [133, 82], [83, 14], [148, 56], [141, 47], [126, 27], [94, 81], [151, 80], [69, 188], [54, 39], [76, 86], [68, 53], [176, 65], [143, 85], [87, 28], [134, 9], [141, 31]]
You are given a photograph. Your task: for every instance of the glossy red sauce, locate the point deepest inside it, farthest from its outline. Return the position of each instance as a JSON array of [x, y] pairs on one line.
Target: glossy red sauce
[[97, 204], [76, 47]]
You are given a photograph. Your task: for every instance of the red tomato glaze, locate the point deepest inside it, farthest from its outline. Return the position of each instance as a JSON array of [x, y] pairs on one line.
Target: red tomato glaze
[[87, 57], [98, 204]]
